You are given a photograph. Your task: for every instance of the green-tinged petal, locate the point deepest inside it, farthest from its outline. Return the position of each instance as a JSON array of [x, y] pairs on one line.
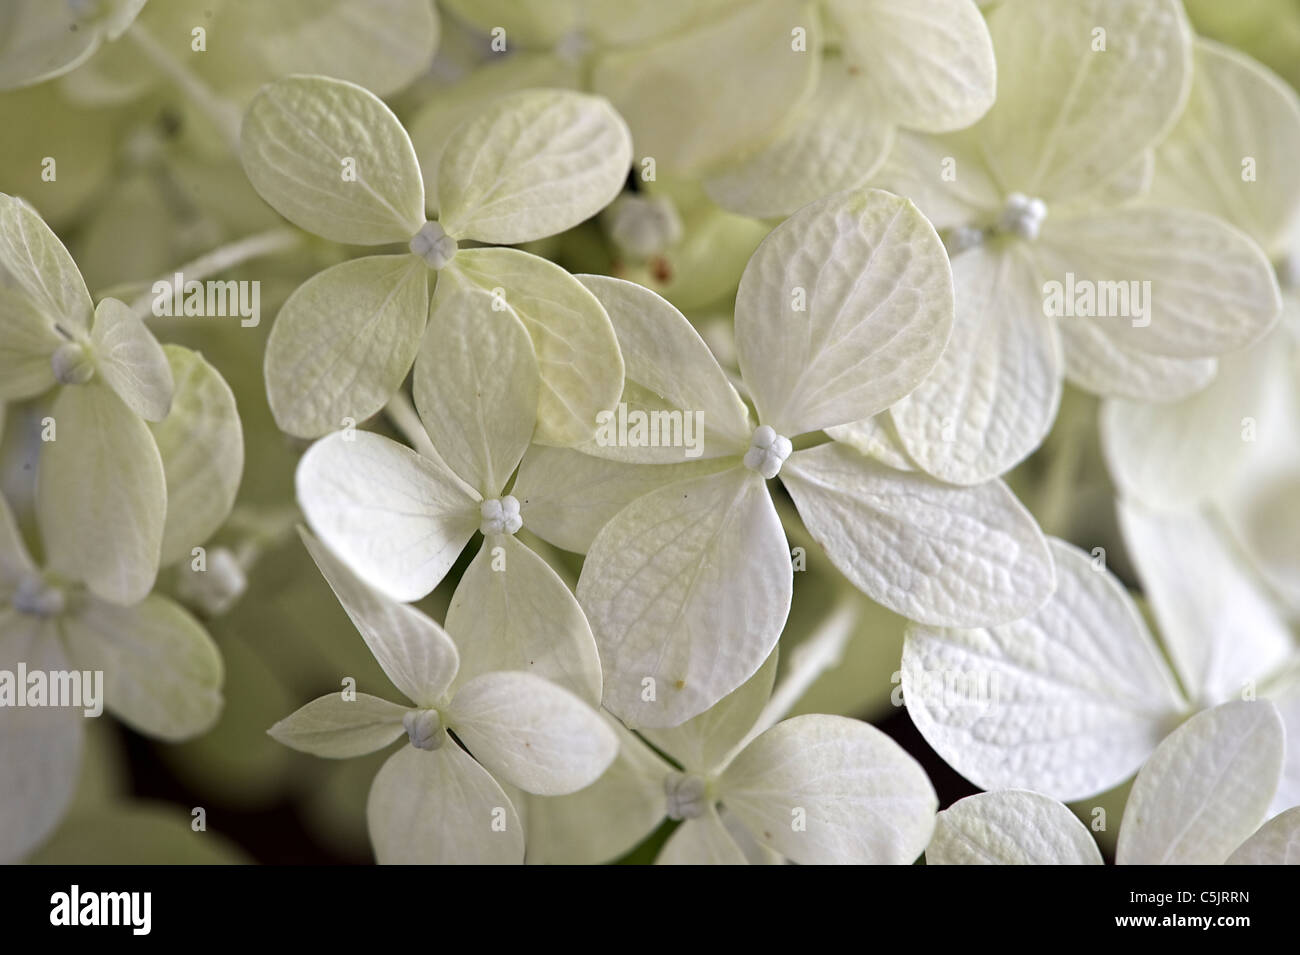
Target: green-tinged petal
[[686, 590], [40, 40], [577, 350], [476, 383], [1068, 701], [532, 733], [1101, 363], [340, 728], [1010, 827], [202, 447], [701, 841], [831, 790], [948, 178], [398, 519], [344, 341], [1205, 789], [162, 672], [441, 808], [415, 653], [330, 157], [844, 308], [35, 265], [511, 611], [101, 495], [532, 164], [131, 360]]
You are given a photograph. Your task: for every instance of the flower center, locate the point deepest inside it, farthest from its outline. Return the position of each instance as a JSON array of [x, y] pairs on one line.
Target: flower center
[[72, 364], [688, 795], [433, 245], [215, 589], [424, 729], [500, 515], [767, 451], [643, 226], [1023, 216], [39, 598]]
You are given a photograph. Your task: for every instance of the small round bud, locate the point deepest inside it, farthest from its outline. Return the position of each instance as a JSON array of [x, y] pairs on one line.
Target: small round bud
[[767, 451], [500, 515], [72, 364], [643, 226], [39, 598], [433, 245], [688, 795], [424, 729]]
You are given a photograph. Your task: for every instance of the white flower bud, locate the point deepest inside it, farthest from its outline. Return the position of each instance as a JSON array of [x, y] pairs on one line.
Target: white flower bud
[[424, 729], [767, 451], [688, 795], [72, 364], [433, 245], [500, 515]]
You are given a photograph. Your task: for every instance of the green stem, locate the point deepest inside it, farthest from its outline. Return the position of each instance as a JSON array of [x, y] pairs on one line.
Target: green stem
[[220, 259]]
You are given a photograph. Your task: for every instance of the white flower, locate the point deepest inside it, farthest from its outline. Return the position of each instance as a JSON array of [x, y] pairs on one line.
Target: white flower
[[1086, 89], [814, 789], [333, 159], [1199, 800], [162, 677], [42, 40], [434, 802], [842, 309]]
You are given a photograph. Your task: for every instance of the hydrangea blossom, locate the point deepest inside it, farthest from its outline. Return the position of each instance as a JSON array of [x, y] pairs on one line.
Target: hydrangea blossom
[[434, 801], [1033, 194], [1199, 800], [813, 789], [332, 158], [842, 309]]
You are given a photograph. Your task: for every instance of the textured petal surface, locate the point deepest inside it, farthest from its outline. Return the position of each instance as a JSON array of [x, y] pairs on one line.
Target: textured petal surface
[[1010, 827]]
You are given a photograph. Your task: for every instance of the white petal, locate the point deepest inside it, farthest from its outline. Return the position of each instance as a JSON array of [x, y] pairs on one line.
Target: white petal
[[721, 69], [131, 360], [441, 808], [703, 743], [566, 496], [1277, 842], [834, 141], [1211, 290], [1099, 362], [876, 437], [687, 590], [994, 394], [577, 350], [330, 157], [1285, 695], [102, 495], [399, 520], [476, 383], [344, 341], [831, 790], [35, 264], [1067, 702], [946, 176], [928, 62], [875, 281], [938, 554], [664, 355], [1068, 115], [607, 819], [1221, 631], [337, 728], [202, 447], [1010, 827], [40, 747], [162, 672], [1237, 109], [532, 164], [701, 841], [415, 653], [43, 40], [511, 611], [534, 734], [1205, 789]]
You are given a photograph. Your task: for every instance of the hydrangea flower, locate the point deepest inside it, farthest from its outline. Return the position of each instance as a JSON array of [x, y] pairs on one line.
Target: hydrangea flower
[[162, 677], [1199, 800], [400, 518], [814, 789], [841, 310], [1071, 700], [437, 799], [334, 160], [1034, 194]]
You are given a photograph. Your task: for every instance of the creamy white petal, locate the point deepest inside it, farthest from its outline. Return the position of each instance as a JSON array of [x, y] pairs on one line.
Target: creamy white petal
[[398, 519], [131, 360], [1099, 362], [1205, 789], [944, 555], [831, 790], [1010, 827], [844, 308], [1277, 842], [336, 728], [35, 264], [701, 841], [1068, 701]]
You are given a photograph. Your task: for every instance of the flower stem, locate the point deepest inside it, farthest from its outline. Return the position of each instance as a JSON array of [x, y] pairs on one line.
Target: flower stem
[[222, 258]]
